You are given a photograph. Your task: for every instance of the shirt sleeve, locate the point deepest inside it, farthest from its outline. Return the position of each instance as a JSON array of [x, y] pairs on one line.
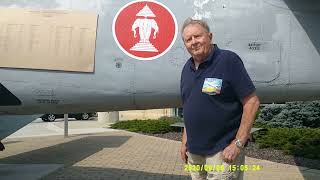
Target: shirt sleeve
[[240, 79]]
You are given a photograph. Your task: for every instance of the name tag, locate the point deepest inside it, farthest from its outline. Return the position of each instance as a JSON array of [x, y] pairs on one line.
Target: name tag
[[212, 86]]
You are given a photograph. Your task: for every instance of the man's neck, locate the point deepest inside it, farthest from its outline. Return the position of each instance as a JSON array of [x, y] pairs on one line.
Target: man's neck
[[196, 64], [199, 60]]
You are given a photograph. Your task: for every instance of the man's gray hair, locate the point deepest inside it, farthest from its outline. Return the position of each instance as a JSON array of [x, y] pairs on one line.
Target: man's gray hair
[[189, 21]]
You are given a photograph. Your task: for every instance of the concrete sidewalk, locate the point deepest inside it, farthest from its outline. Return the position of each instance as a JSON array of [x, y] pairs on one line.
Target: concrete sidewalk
[[121, 155], [37, 129]]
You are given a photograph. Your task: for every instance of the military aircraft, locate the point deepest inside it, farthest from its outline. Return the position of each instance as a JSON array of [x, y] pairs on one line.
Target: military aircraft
[[102, 55]]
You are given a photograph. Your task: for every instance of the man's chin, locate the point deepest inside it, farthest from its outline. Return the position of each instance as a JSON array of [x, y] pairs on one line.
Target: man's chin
[[197, 53]]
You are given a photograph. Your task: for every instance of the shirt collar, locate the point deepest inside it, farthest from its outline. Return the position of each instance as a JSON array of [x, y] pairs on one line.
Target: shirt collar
[[215, 50]]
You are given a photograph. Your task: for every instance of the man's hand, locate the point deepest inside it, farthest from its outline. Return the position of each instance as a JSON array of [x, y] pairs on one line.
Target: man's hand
[[230, 153], [183, 149], [183, 153]]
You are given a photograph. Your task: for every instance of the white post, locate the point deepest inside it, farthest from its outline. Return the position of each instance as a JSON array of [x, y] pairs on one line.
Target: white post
[[114, 116], [108, 117], [65, 125]]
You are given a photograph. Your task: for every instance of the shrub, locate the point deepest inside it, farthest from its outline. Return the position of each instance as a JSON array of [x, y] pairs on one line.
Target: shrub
[[304, 142], [291, 115], [174, 119], [269, 111], [161, 125]]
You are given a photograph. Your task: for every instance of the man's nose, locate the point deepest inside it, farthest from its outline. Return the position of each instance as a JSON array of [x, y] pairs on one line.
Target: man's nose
[[193, 40]]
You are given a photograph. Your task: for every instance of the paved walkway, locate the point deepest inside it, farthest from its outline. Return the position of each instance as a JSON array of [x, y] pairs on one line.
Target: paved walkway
[[121, 155]]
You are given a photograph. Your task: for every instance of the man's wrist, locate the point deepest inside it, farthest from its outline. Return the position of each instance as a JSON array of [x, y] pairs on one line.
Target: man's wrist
[[239, 143], [243, 138]]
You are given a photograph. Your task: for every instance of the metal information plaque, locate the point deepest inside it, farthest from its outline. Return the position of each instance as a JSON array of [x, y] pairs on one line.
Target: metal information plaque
[[47, 39]]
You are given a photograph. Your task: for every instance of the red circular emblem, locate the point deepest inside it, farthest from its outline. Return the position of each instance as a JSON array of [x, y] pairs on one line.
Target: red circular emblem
[[145, 30]]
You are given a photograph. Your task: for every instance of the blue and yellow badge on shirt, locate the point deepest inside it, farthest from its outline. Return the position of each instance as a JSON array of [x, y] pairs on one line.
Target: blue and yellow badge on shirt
[[212, 86]]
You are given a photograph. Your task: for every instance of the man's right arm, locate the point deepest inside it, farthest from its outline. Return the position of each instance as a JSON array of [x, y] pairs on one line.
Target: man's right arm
[[183, 149]]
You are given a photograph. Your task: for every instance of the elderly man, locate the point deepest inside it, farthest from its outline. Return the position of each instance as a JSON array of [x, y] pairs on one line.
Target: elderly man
[[219, 103]]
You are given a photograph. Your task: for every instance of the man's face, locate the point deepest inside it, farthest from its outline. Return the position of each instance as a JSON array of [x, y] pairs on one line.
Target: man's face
[[197, 41]]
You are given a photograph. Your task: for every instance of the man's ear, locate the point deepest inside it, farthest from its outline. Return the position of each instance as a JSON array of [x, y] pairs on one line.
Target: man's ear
[[210, 36]]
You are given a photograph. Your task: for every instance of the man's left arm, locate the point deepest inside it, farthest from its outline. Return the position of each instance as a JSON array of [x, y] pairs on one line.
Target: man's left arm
[[250, 106]]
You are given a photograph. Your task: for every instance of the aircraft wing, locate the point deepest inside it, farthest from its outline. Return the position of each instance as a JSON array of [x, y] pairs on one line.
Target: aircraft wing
[[11, 123]]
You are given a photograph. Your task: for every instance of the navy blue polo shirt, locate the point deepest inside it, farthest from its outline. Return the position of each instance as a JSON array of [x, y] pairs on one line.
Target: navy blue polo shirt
[[211, 97]]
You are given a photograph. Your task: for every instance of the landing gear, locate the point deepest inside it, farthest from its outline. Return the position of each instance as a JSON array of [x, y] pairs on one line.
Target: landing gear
[[1, 147]]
